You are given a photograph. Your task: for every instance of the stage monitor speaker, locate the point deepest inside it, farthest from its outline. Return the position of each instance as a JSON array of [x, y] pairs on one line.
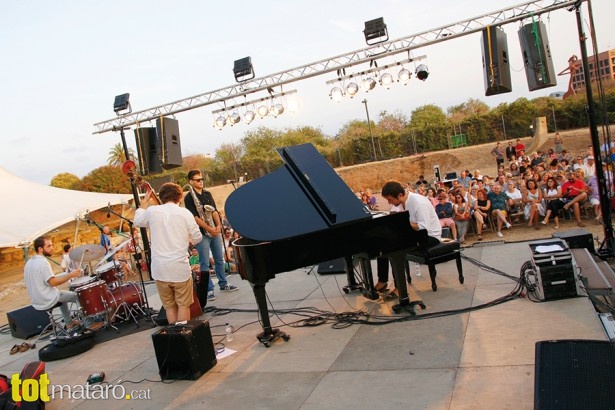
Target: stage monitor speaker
[[496, 65], [331, 267], [184, 352], [27, 322], [577, 239], [148, 150], [168, 134], [537, 58], [574, 374]]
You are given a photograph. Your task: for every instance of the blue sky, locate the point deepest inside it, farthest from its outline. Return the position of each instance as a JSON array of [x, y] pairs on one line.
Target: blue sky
[[64, 62]]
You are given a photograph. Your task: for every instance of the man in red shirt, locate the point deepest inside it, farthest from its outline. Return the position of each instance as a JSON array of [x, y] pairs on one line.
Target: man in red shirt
[[519, 147], [574, 191]]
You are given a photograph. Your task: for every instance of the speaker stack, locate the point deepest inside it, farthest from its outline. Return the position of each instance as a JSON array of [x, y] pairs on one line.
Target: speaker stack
[[496, 64], [184, 352], [537, 56]]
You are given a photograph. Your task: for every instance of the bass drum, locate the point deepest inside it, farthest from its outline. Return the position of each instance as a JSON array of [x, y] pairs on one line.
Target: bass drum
[[93, 298], [131, 294]]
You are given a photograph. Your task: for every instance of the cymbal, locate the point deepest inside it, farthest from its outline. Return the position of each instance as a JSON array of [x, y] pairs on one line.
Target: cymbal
[[87, 253], [114, 251]]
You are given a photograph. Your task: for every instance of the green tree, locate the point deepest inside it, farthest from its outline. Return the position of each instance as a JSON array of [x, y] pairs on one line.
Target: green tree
[[108, 178], [65, 180], [117, 155]]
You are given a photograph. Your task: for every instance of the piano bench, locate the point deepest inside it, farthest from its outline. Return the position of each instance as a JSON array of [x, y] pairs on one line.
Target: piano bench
[[433, 255]]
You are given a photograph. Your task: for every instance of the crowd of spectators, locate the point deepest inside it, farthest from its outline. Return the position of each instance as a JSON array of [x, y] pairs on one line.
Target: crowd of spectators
[[537, 188]]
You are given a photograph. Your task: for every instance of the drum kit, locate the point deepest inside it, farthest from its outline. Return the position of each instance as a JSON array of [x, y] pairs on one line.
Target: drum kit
[[105, 298]]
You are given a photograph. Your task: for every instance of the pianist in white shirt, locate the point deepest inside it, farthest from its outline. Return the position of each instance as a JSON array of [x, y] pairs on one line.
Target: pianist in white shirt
[[422, 214]]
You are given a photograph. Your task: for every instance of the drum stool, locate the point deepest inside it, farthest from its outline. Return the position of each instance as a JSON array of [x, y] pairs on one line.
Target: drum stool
[[55, 324], [432, 255]]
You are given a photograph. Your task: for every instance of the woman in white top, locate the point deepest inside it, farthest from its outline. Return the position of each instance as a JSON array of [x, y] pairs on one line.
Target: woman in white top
[[532, 198], [553, 194]]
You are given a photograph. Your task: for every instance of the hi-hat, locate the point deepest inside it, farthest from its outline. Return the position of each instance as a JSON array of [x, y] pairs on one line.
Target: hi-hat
[[87, 253]]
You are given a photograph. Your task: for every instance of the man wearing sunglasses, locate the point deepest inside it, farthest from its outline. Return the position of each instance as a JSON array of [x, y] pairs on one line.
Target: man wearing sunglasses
[[212, 238]]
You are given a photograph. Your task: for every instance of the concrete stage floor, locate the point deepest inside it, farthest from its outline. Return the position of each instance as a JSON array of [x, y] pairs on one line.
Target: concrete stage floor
[[482, 359]]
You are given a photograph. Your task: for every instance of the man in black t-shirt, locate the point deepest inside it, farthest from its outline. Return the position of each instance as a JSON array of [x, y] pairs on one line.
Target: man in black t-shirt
[[211, 228]]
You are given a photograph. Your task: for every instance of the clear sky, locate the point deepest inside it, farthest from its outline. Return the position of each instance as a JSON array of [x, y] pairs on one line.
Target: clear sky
[[63, 63]]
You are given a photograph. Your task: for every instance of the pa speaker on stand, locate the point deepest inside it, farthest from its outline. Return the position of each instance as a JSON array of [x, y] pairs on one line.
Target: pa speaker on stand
[[170, 144]]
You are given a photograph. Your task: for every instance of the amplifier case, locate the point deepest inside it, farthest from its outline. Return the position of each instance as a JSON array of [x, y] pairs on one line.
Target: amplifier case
[[555, 271], [184, 352]]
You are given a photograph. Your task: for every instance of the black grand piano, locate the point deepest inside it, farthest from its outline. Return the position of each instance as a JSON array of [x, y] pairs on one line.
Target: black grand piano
[[303, 214]]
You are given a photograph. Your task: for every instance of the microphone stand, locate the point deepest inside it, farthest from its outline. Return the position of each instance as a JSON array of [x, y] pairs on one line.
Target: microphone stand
[[148, 310]]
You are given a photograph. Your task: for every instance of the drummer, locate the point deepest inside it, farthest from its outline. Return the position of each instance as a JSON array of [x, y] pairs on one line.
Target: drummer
[[42, 283]]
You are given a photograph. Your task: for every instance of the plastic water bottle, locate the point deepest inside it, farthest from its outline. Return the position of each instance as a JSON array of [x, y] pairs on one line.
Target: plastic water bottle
[[229, 333], [417, 269]]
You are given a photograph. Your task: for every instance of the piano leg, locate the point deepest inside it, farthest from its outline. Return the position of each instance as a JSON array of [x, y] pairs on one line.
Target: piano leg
[[398, 264], [269, 334], [352, 281]]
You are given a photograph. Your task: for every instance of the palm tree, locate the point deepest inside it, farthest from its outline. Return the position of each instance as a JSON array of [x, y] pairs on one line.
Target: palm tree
[[117, 157]]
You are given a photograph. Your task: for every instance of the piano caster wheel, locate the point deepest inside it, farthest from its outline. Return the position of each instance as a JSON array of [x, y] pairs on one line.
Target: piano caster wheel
[[346, 290], [370, 295], [461, 279], [266, 338], [434, 287], [411, 307]]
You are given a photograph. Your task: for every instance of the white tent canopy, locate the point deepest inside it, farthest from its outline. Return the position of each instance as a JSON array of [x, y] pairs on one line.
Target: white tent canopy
[[29, 209]]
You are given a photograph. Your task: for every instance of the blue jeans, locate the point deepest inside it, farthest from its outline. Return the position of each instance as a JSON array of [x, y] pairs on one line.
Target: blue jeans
[[203, 248]]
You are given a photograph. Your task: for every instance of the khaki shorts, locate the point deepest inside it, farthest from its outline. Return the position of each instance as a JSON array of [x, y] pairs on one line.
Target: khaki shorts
[[173, 294]]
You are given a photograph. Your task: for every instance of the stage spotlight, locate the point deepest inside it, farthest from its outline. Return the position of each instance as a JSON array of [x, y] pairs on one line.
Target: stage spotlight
[[277, 109], [292, 105], [422, 72], [234, 118], [220, 122], [262, 111], [386, 80], [368, 84], [375, 31], [243, 69], [336, 94], [352, 89], [122, 103], [404, 76], [248, 117]]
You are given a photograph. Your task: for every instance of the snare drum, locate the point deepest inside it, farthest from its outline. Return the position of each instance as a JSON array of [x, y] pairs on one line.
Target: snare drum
[[131, 294], [108, 272], [93, 298], [76, 283]]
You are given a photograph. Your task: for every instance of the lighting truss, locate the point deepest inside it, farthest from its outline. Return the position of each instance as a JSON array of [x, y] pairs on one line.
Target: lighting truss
[[375, 70], [507, 15]]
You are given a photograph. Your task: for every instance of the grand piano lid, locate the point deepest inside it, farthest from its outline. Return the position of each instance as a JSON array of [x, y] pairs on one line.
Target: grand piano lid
[[304, 195]]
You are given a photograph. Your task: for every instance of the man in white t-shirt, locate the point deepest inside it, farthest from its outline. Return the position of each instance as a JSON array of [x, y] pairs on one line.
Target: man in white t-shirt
[[172, 230], [422, 214], [42, 283]]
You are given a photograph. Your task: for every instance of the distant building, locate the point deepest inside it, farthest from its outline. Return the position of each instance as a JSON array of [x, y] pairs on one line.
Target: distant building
[[604, 67]]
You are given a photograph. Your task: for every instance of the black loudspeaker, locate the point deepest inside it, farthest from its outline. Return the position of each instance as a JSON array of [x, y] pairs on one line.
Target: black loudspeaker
[[27, 322], [496, 65], [574, 374], [331, 267], [184, 352], [168, 135], [537, 56], [577, 239], [148, 150]]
